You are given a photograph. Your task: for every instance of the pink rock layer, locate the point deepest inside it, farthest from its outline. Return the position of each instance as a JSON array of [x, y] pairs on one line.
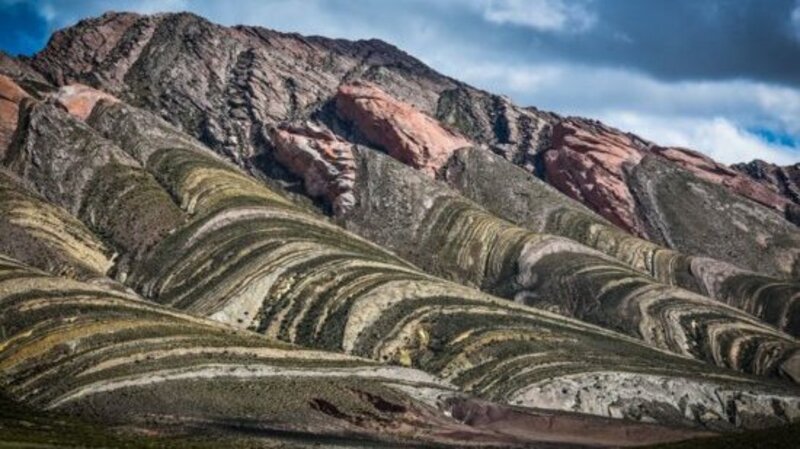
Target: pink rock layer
[[10, 97], [323, 160], [588, 161], [79, 100], [405, 133], [708, 169]]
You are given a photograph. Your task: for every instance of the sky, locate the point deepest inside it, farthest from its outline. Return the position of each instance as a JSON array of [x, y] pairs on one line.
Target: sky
[[718, 76]]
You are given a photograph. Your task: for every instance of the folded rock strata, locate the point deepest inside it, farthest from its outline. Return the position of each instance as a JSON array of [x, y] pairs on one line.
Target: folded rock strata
[[515, 195], [74, 168], [250, 258], [449, 235], [229, 86], [110, 357]]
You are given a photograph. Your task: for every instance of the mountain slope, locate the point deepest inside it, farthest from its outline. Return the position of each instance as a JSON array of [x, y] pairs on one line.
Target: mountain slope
[[264, 237]]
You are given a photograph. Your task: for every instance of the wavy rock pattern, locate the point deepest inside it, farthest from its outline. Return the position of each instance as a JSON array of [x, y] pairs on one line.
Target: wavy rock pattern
[[110, 357], [229, 86], [45, 236], [252, 259], [76, 169], [517, 196], [449, 235]]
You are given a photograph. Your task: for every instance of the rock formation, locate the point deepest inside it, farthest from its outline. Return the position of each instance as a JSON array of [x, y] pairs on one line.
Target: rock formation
[[263, 238], [404, 133]]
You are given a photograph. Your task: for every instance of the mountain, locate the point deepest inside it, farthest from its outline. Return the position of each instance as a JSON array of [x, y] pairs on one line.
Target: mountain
[[242, 237]]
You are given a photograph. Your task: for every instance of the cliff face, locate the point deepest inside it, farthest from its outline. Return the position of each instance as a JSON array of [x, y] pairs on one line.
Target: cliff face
[[266, 235]]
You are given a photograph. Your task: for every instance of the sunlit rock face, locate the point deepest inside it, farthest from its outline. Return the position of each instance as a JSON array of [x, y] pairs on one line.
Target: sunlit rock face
[[404, 133]]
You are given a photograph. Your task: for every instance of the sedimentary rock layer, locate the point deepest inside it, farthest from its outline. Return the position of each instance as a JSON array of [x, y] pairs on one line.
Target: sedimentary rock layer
[[451, 236], [229, 86], [403, 132], [45, 236], [518, 196], [73, 167], [109, 357], [250, 258]]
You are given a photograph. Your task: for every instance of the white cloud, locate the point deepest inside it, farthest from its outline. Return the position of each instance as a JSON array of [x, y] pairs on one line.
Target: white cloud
[[717, 137], [541, 15]]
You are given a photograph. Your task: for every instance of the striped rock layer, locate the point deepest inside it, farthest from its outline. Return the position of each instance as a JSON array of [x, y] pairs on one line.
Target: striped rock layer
[[98, 353], [250, 258], [515, 195], [454, 237], [230, 86], [511, 193], [110, 357]]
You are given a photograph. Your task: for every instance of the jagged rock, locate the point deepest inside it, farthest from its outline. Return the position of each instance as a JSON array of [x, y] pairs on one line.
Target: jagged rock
[[11, 96], [224, 85], [519, 134], [403, 132], [323, 160], [588, 162]]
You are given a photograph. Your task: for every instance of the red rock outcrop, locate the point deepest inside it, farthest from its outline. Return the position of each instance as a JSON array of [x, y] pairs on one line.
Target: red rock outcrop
[[404, 132], [587, 161], [322, 159], [10, 97], [708, 169], [784, 181], [79, 100]]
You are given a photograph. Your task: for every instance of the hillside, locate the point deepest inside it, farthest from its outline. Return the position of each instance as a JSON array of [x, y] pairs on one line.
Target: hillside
[[261, 239]]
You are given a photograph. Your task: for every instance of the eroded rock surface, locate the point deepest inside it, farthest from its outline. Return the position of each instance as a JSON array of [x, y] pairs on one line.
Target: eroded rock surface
[[11, 95], [403, 132], [79, 100], [588, 162], [322, 159]]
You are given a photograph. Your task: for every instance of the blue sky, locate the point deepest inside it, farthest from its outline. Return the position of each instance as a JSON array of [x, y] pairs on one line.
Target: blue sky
[[720, 76]]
